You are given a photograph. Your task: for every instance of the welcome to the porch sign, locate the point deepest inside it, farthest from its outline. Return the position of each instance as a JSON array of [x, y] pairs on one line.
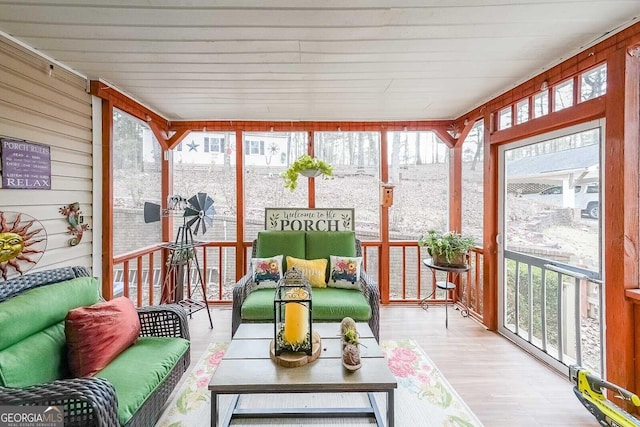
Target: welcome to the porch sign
[[288, 219]]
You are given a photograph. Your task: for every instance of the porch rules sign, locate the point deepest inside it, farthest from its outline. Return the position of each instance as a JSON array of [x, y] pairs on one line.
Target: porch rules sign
[[287, 219], [25, 165]]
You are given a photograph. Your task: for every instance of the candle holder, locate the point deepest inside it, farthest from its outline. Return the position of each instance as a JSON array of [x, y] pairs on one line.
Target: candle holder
[[292, 311]]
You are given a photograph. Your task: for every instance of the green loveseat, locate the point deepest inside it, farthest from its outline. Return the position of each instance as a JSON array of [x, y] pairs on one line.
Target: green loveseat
[[130, 391], [329, 304]]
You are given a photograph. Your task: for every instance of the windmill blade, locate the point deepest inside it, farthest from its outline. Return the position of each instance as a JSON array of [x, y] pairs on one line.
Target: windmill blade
[[204, 227], [192, 221], [208, 204], [194, 203], [190, 212], [208, 220], [202, 200], [195, 231]]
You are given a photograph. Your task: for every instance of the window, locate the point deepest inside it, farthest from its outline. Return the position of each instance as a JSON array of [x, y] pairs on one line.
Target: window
[[179, 148], [541, 104], [214, 145], [505, 118], [254, 147], [563, 95], [593, 83], [522, 111], [472, 181], [263, 186], [136, 179]]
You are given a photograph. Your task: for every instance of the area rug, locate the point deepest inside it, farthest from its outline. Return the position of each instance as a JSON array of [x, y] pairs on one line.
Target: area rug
[[424, 397]]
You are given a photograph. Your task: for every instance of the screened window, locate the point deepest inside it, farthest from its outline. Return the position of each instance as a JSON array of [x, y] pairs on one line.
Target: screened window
[[355, 157], [263, 185], [522, 111], [136, 179], [472, 182], [563, 95], [593, 83], [505, 118], [541, 104]]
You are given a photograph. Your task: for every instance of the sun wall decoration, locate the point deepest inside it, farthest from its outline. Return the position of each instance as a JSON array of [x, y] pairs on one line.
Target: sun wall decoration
[[23, 240]]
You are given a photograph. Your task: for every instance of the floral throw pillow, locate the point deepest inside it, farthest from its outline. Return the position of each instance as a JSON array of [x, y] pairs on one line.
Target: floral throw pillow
[[267, 271], [345, 272]]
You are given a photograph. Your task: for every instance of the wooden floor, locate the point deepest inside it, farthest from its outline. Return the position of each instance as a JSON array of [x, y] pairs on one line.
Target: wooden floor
[[502, 384]]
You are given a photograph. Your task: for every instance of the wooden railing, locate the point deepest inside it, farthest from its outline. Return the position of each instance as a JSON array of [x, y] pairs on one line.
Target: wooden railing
[[139, 274]]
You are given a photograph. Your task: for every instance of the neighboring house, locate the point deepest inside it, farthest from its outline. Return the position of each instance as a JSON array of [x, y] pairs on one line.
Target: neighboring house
[[260, 149]]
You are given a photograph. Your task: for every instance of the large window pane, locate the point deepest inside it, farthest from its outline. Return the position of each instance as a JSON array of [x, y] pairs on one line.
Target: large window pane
[[355, 157], [419, 169], [473, 183], [266, 156], [136, 179], [205, 162]]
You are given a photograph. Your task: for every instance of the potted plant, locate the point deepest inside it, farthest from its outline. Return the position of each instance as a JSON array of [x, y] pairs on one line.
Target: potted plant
[[447, 249], [307, 166]]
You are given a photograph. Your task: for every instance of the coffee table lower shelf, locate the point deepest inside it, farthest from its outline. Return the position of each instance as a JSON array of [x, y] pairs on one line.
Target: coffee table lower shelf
[[372, 411]]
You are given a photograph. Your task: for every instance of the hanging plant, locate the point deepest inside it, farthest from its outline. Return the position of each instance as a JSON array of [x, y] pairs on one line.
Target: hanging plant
[[307, 166]]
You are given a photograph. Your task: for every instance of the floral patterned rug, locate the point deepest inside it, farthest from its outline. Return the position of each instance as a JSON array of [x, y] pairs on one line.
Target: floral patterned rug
[[423, 398]]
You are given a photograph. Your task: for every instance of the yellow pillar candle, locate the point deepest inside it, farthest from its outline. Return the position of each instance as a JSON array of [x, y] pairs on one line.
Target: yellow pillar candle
[[296, 318]]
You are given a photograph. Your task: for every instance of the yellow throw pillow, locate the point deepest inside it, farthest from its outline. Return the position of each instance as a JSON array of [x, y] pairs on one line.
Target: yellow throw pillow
[[313, 269]]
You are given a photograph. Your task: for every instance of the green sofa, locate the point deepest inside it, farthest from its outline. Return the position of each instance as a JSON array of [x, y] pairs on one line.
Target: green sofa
[[130, 391], [329, 304]]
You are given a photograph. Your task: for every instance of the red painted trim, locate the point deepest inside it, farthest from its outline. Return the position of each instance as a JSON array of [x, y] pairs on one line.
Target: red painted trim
[[585, 111]]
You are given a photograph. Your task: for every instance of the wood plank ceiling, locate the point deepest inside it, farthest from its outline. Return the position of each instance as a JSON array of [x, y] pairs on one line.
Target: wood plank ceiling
[[312, 59]]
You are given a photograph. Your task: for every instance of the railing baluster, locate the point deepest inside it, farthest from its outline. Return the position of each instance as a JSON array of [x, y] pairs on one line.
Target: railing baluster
[[560, 317], [404, 272], [517, 302], [576, 302], [220, 276], [151, 277], [125, 278], [530, 299], [543, 308], [139, 280]]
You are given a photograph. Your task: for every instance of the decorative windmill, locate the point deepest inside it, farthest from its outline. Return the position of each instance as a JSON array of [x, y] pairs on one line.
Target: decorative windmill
[[197, 215]]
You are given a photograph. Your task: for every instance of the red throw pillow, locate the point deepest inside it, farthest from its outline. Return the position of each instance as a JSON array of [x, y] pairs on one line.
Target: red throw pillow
[[98, 334]]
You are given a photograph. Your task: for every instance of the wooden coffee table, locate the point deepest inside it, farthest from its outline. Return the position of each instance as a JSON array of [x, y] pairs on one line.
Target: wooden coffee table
[[247, 369]]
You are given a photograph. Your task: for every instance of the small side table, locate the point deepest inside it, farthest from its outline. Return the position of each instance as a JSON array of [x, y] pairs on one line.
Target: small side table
[[447, 285]]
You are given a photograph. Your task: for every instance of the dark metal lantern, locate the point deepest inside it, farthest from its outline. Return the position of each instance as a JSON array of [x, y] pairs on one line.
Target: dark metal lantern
[[292, 313]]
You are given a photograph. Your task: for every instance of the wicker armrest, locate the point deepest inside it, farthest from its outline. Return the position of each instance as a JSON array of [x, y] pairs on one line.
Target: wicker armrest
[[372, 294], [168, 320], [86, 401], [240, 292]]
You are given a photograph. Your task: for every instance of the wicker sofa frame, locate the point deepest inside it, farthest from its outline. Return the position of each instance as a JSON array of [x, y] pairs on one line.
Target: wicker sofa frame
[[92, 401], [368, 286]]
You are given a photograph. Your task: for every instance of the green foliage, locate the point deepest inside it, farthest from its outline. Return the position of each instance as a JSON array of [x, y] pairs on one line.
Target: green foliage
[[351, 336], [304, 162], [447, 245], [524, 312]]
